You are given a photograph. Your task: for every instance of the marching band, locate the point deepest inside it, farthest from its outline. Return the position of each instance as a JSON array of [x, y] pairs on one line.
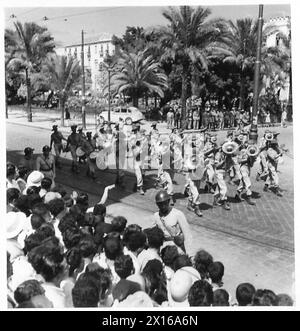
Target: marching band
[[193, 153]]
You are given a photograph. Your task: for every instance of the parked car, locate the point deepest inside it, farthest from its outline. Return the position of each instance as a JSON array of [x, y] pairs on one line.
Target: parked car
[[128, 114]]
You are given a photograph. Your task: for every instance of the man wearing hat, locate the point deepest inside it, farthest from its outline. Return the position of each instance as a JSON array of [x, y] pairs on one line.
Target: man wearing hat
[[137, 149], [45, 163], [262, 172], [27, 160], [88, 146], [173, 223], [56, 139], [209, 151], [273, 154], [73, 143]]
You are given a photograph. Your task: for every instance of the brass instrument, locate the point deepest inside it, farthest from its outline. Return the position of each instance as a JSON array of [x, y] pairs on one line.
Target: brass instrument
[[230, 147], [252, 150], [269, 136]]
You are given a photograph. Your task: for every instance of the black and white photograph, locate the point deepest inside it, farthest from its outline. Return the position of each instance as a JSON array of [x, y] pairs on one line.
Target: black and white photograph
[[149, 156]]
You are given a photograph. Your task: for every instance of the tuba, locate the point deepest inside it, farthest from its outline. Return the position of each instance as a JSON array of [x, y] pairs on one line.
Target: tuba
[[230, 147], [252, 150], [269, 136]]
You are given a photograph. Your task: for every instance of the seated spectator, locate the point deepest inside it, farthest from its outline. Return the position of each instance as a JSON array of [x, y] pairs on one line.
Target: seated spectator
[[264, 298], [216, 273], [46, 184], [88, 249], [85, 292], [220, 298], [169, 254], [49, 196], [200, 294], [155, 239], [33, 240], [124, 266], [12, 195], [244, 294], [27, 290], [22, 204], [47, 260], [34, 179], [155, 281], [182, 261], [124, 288], [139, 300], [112, 248], [42, 210], [179, 287], [11, 175], [201, 261], [285, 300], [58, 210], [47, 229], [15, 224], [37, 301], [119, 224]]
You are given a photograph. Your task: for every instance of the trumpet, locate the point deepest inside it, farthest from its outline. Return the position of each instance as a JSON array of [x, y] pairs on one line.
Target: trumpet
[[230, 147]]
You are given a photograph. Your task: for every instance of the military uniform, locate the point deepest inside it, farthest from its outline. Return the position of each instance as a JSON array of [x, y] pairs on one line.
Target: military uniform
[[88, 146], [56, 140], [73, 142]]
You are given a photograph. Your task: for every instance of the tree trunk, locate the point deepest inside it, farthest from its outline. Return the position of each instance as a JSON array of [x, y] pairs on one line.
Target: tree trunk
[[29, 112], [242, 92], [62, 111], [135, 101], [290, 100], [184, 88]]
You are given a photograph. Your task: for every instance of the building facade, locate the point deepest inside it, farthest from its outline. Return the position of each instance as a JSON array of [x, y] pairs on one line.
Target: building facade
[[95, 50], [279, 26]]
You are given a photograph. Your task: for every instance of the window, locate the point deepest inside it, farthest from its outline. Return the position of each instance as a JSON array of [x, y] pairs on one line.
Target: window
[[101, 50], [123, 110], [95, 49]]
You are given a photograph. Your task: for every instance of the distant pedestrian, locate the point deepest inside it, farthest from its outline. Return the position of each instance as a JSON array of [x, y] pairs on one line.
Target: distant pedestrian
[[283, 118], [268, 119]]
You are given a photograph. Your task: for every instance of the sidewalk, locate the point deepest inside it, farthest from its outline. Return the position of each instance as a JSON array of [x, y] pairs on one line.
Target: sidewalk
[[45, 120]]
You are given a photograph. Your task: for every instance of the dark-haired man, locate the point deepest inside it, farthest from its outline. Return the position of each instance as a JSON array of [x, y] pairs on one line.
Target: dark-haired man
[[28, 160], [45, 163]]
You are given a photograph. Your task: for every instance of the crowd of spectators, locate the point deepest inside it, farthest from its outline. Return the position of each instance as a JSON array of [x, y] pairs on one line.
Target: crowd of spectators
[[64, 253]]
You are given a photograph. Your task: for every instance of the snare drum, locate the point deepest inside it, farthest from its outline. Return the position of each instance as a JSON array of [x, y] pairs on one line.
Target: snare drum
[[80, 152]]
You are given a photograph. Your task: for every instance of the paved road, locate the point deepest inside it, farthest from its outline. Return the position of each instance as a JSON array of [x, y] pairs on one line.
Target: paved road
[[254, 243]]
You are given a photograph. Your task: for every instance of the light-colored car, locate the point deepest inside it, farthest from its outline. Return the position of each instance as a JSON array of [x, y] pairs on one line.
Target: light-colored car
[[128, 114]]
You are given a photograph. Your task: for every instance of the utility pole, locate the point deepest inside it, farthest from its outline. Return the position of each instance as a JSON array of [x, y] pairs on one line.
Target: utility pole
[[83, 81], [109, 70], [253, 135]]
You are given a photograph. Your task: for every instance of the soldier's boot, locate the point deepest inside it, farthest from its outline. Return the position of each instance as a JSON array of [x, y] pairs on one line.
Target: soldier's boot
[[190, 206], [140, 190], [197, 211], [217, 201], [225, 205], [266, 188], [250, 201]]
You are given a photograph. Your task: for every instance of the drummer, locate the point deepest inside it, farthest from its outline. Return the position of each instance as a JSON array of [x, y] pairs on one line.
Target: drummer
[[88, 146], [73, 143]]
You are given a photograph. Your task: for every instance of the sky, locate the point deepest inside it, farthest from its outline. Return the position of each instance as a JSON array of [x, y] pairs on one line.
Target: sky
[[65, 23]]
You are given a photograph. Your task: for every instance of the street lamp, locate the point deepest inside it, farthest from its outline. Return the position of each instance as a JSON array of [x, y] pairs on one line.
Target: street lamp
[[253, 135], [83, 81]]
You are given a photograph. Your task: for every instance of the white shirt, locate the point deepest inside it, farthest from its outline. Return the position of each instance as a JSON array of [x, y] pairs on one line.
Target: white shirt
[[147, 255], [55, 294]]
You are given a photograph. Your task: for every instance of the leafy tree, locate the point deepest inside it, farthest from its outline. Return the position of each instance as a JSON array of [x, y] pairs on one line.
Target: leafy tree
[[188, 41], [33, 44], [61, 73], [136, 74]]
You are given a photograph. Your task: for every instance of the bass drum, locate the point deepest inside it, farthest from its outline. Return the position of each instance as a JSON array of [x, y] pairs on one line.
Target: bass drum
[[80, 152], [101, 160]]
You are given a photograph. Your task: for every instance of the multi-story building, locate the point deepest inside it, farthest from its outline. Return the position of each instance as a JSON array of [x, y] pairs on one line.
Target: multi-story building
[[279, 26], [95, 50]]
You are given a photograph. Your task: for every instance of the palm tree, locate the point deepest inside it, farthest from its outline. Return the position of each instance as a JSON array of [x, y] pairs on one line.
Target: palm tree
[[10, 51], [242, 50], [34, 43], [135, 74], [188, 40], [61, 73]]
